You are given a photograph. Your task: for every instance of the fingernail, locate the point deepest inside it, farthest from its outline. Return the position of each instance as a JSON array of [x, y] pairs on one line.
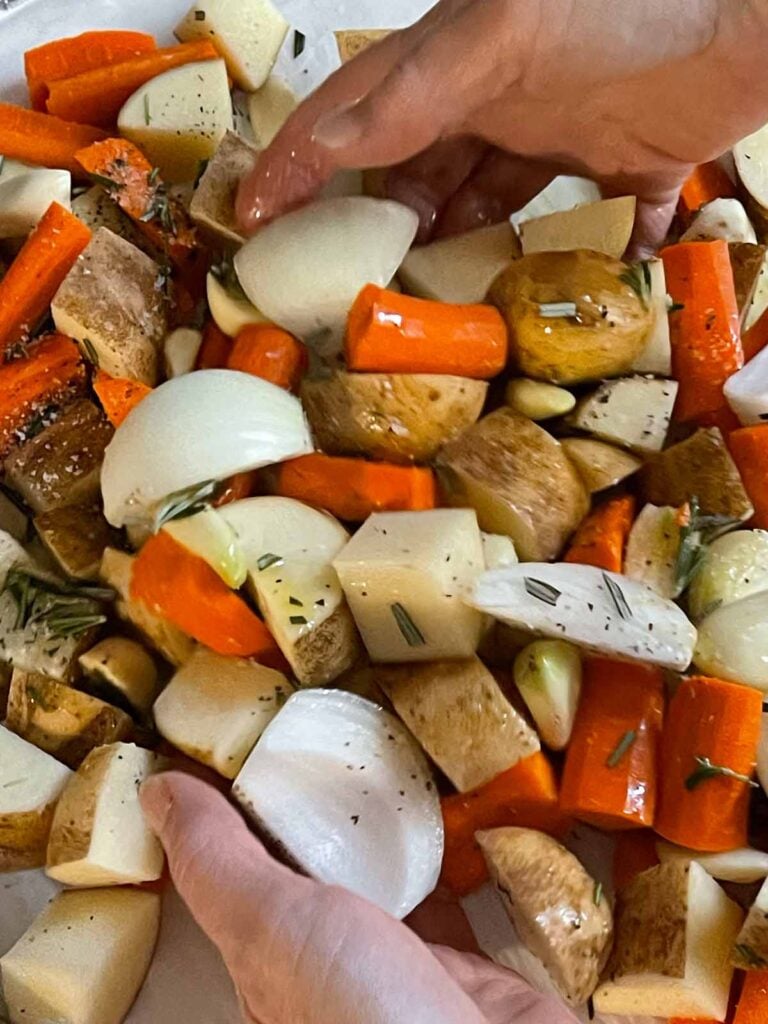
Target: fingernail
[[156, 801], [338, 128]]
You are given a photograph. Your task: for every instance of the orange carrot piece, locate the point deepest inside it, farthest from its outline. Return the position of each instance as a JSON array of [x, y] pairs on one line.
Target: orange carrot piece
[[708, 718], [707, 182], [352, 488], [610, 775], [392, 333], [271, 353], [524, 795], [752, 1007], [138, 191], [118, 395], [50, 373], [41, 139], [182, 588], [756, 338], [215, 348], [706, 345], [34, 277], [749, 448], [601, 538], [633, 853], [96, 96], [237, 487], [63, 58], [693, 1020]]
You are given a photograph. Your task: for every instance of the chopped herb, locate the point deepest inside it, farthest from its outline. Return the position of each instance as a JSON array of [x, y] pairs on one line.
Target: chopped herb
[[2, 163], [541, 591], [621, 748], [618, 598], [183, 503], [638, 277], [153, 175], [202, 167], [91, 353], [706, 770], [159, 205], [280, 696], [297, 620], [748, 954], [676, 307], [695, 536], [267, 560], [199, 15], [295, 601], [554, 310], [66, 610], [147, 115], [411, 632], [299, 42], [225, 274], [105, 182], [597, 895]]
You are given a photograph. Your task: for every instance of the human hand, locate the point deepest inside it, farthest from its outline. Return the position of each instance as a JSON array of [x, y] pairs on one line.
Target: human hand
[[478, 105], [300, 952]]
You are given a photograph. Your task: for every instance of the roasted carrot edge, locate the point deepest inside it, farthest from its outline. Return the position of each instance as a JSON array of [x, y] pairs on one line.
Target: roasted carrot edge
[[118, 395], [602, 537]]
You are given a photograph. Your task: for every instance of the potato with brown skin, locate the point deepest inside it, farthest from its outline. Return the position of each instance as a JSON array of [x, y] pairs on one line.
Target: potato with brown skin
[[608, 332], [600, 465], [518, 479], [76, 536], [213, 204], [394, 417], [557, 908]]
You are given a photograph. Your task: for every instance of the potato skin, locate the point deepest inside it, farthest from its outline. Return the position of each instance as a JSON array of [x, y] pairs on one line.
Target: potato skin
[[609, 332], [397, 417], [518, 479]]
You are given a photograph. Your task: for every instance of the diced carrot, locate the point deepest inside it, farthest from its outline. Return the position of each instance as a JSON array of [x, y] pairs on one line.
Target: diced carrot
[[41, 139], [51, 372], [706, 346], [633, 853], [182, 588], [707, 182], [610, 775], [601, 538], [714, 720], [353, 488], [271, 353], [524, 795], [749, 448], [755, 339], [392, 333], [118, 395], [237, 487], [63, 58], [34, 277], [96, 96], [140, 193], [215, 348], [752, 1007]]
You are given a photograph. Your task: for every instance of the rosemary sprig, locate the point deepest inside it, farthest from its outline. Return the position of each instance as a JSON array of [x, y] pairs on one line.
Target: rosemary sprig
[[705, 769], [105, 182], [541, 591], [64, 609], [411, 632], [749, 956], [159, 206], [638, 277], [621, 748], [91, 353], [695, 536], [185, 502], [616, 594]]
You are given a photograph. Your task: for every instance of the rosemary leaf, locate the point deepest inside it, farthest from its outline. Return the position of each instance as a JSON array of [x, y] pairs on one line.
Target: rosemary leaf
[[638, 277], [617, 596], [91, 353], [705, 769], [297, 620], [183, 503], [105, 182], [749, 956], [147, 115], [695, 536], [621, 748], [411, 632], [541, 591], [202, 167], [299, 42], [268, 560], [597, 895]]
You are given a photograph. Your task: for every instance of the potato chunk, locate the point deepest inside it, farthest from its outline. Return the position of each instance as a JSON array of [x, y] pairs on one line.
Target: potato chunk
[[83, 959], [557, 909], [393, 417], [215, 708], [99, 835], [269, 108], [31, 782], [633, 412], [674, 931], [519, 481], [213, 204], [458, 713], [604, 226], [405, 575], [111, 297], [76, 536], [600, 465], [123, 671], [750, 951]]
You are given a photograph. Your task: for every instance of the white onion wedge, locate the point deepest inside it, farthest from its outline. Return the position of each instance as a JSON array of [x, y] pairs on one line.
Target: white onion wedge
[[722, 218], [202, 426], [305, 270], [744, 865], [342, 786], [601, 611], [747, 390], [24, 198]]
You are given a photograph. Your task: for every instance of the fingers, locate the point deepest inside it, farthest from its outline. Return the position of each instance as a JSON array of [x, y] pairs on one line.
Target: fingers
[[500, 185], [652, 220], [501, 995]]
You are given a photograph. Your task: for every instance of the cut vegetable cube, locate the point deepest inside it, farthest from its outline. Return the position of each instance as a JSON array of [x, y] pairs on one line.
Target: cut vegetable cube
[[722, 218], [734, 566], [633, 412], [674, 930], [747, 390], [248, 36], [748, 264], [652, 550], [25, 197], [76, 536], [600, 465], [548, 676], [604, 226], [405, 576], [460, 716], [562, 193], [498, 550], [213, 204], [31, 782], [99, 836], [215, 708], [742, 865], [123, 671], [344, 789], [269, 108], [353, 41], [83, 959]]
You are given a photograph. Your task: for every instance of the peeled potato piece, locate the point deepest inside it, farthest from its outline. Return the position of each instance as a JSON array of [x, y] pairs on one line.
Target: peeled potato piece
[[604, 226], [600, 465]]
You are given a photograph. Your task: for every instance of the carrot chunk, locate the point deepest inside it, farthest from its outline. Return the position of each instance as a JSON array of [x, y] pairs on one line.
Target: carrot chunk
[[752, 1007], [270, 353], [707, 182], [749, 449], [41, 139], [118, 395], [601, 538]]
